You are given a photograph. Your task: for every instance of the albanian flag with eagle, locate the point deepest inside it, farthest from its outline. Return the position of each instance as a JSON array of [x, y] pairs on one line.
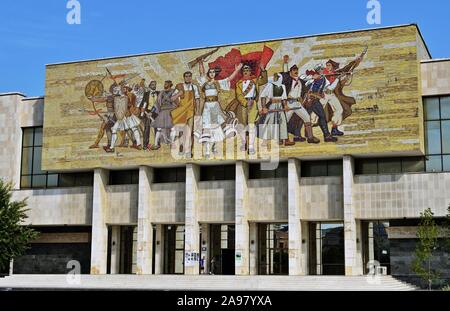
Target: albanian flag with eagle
[[226, 64]]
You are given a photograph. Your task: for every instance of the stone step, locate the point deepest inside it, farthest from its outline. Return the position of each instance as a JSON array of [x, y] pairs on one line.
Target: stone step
[[207, 282]]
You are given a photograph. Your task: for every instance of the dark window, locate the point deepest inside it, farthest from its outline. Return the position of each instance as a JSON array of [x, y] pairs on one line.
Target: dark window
[[255, 171], [166, 175], [321, 168], [389, 165], [124, 177], [31, 174], [76, 179], [219, 172], [437, 133]]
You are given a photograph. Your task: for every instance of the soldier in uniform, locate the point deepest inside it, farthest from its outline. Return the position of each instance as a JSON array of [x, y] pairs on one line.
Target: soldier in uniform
[[245, 104], [317, 85], [297, 114]]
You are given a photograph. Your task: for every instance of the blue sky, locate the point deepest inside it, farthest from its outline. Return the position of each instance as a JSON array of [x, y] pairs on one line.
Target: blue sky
[[35, 33]]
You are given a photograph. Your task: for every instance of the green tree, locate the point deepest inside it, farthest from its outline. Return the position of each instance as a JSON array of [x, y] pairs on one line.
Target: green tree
[[427, 234], [14, 237]]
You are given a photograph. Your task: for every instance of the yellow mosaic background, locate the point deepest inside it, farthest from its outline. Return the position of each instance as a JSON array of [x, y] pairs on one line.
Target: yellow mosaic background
[[387, 116]]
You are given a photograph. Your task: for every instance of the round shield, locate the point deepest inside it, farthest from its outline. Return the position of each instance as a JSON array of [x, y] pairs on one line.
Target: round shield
[[94, 89]]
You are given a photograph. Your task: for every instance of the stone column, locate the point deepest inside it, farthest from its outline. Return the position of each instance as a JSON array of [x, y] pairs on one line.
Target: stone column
[[99, 244], [145, 229], [295, 225], [253, 231], [205, 249], [115, 249], [305, 247], [11, 267], [159, 251], [242, 254], [192, 227], [353, 258]]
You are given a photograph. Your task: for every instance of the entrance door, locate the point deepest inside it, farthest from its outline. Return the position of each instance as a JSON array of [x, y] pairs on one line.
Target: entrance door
[[173, 249], [376, 250], [326, 249], [222, 245], [273, 249]]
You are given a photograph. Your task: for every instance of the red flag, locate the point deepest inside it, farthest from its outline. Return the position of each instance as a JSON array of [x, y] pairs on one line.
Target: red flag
[[227, 63]]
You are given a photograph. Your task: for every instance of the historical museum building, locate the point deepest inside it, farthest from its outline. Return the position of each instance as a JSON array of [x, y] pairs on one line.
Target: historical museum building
[[303, 156]]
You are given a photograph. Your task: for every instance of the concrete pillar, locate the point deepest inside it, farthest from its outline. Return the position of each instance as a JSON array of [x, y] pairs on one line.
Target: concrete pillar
[[99, 244], [145, 230], [295, 224], [353, 258], [192, 227], [304, 253], [11, 267], [371, 244], [205, 248], [242, 254], [253, 229], [159, 251], [115, 249]]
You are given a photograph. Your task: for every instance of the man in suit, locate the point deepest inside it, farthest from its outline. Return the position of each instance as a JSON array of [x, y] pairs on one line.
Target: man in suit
[[148, 111]]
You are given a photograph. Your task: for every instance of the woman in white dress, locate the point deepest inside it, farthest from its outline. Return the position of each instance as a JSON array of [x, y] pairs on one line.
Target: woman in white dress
[[213, 115]]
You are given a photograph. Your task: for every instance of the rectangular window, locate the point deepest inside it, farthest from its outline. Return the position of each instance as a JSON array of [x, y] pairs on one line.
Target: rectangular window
[[255, 171], [75, 179], [217, 172], [124, 177], [31, 174], [321, 168], [437, 133], [167, 175], [389, 166]]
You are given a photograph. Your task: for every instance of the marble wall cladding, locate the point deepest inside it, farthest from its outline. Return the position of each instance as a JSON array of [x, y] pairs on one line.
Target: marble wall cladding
[[68, 206], [321, 198], [31, 112], [10, 137], [216, 201], [268, 199], [435, 77], [402, 195], [122, 204], [168, 202]]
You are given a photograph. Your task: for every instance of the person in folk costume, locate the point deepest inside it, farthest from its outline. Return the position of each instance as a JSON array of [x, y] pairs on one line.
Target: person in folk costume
[[124, 109], [148, 111], [245, 104], [189, 106], [273, 107], [213, 117], [339, 105], [297, 115], [108, 119], [163, 124], [317, 84]]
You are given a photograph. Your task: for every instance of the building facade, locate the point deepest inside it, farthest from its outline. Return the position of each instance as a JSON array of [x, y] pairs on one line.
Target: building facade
[[112, 188]]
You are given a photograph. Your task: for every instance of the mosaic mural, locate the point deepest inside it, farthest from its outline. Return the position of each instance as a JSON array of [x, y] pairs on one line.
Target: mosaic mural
[[324, 95]]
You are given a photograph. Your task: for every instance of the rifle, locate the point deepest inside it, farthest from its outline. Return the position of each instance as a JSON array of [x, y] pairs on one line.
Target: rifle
[[200, 58]]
